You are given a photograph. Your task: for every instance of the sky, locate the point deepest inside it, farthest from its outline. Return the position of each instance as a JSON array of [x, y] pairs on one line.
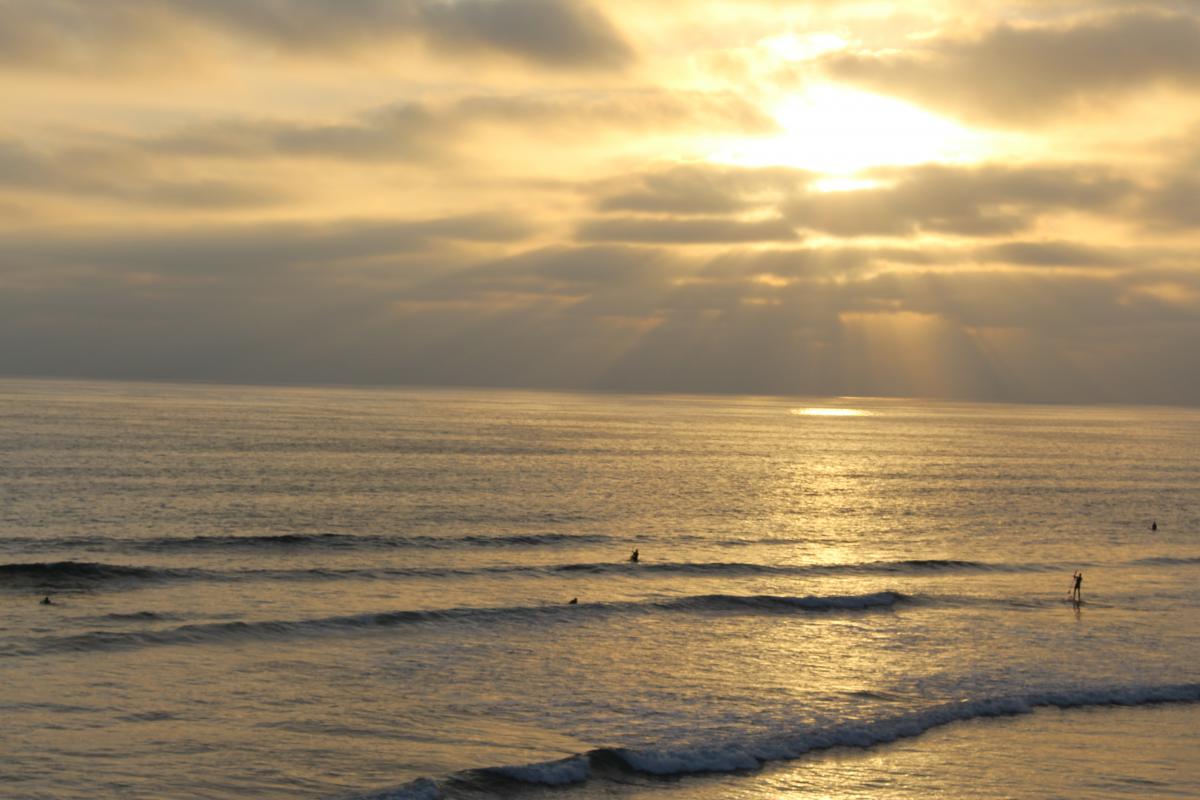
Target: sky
[[987, 200]]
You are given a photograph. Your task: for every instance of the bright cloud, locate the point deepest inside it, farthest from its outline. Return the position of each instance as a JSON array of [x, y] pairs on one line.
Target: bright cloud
[[992, 201]]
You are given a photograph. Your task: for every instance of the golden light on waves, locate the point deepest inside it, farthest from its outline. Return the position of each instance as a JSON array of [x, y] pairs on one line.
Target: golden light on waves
[[830, 412]]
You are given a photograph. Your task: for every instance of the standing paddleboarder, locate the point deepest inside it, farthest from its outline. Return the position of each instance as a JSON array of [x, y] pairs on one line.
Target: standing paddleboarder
[[1076, 594]]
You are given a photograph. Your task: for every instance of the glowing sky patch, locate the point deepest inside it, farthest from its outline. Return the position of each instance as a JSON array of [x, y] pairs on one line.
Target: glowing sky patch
[[820, 411], [837, 131]]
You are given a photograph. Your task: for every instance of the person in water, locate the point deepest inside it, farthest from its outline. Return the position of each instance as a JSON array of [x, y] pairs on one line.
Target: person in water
[[46, 601], [1154, 525], [574, 601], [1076, 593], [634, 556]]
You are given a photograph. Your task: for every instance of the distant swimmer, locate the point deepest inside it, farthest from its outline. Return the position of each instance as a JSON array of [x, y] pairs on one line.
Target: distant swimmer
[[1154, 525], [1076, 593], [574, 601], [634, 556], [46, 601]]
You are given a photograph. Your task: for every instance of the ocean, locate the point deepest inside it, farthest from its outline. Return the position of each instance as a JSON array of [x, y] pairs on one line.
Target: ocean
[[394, 593]]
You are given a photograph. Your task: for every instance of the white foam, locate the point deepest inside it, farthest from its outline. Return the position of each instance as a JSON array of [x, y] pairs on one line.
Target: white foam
[[703, 759], [749, 755]]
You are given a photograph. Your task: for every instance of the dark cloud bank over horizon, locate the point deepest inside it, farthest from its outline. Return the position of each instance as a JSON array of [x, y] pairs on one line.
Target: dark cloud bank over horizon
[[397, 304]]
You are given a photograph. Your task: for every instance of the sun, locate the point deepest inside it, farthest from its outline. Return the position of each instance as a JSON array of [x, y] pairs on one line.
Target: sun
[[838, 131]]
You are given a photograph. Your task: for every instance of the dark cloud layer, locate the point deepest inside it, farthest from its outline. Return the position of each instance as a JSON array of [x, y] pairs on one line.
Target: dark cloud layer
[[215, 251], [1015, 75], [1052, 254], [308, 302], [82, 34]]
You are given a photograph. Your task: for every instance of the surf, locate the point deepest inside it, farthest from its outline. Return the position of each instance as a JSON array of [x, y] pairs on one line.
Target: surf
[[753, 753]]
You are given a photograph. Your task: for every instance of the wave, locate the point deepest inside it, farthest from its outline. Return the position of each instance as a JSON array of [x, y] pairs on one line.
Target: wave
[[136, 616], [60, 576], [87, 575], [68, 575], [221, 632], [770, 602], [738, 756], [377, 541], [291, 541], [910, 565], [1169, 560], [352, 541]]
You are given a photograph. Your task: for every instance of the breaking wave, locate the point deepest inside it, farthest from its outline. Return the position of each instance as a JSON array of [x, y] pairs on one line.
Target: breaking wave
[[752, 753]]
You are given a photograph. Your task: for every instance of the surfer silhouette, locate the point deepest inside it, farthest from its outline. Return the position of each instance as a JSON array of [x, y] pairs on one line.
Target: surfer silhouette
[[46, 601], [1076, 593], [634, 556], [1154, 525]]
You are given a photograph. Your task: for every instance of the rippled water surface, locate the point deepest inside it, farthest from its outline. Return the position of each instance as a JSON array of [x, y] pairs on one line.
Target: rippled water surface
[[328, 593]]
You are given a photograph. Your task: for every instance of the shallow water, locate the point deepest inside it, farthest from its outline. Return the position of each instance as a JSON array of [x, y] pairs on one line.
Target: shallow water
[[319, 593]]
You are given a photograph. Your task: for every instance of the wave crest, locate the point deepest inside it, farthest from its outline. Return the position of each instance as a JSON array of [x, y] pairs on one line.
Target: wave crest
[[736, 756], [83, 574], [216, 632]]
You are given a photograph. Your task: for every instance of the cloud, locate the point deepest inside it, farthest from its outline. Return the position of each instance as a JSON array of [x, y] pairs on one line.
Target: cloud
[[387, 302], [219, 252], [551, 32], [84, 35], [120, 175], [472, 223], [684, 231], [823, 262], [551, 272], [424, 130], [986, 200], [1051, 254], [1174, 203], [680, 204], [701, 189], [1017, 75], [182, 169]]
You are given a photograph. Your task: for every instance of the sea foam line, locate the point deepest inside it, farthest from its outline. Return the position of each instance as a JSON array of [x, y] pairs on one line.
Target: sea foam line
[[749, 755], [727, 757]]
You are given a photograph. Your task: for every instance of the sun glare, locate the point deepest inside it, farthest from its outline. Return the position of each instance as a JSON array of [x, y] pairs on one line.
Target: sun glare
[[830, 412], [837, 131]]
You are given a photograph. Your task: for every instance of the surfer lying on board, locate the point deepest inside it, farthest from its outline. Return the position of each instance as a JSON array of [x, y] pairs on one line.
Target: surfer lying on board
[[1075, 590]]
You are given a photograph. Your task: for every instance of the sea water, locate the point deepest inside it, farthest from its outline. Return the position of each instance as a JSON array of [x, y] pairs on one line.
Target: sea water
[[286, 592]]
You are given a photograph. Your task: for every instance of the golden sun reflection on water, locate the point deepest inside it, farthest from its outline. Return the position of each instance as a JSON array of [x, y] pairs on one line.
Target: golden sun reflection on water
[[830, 412]]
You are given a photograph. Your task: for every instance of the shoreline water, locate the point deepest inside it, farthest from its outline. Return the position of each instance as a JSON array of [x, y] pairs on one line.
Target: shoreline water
[[973, 734]]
